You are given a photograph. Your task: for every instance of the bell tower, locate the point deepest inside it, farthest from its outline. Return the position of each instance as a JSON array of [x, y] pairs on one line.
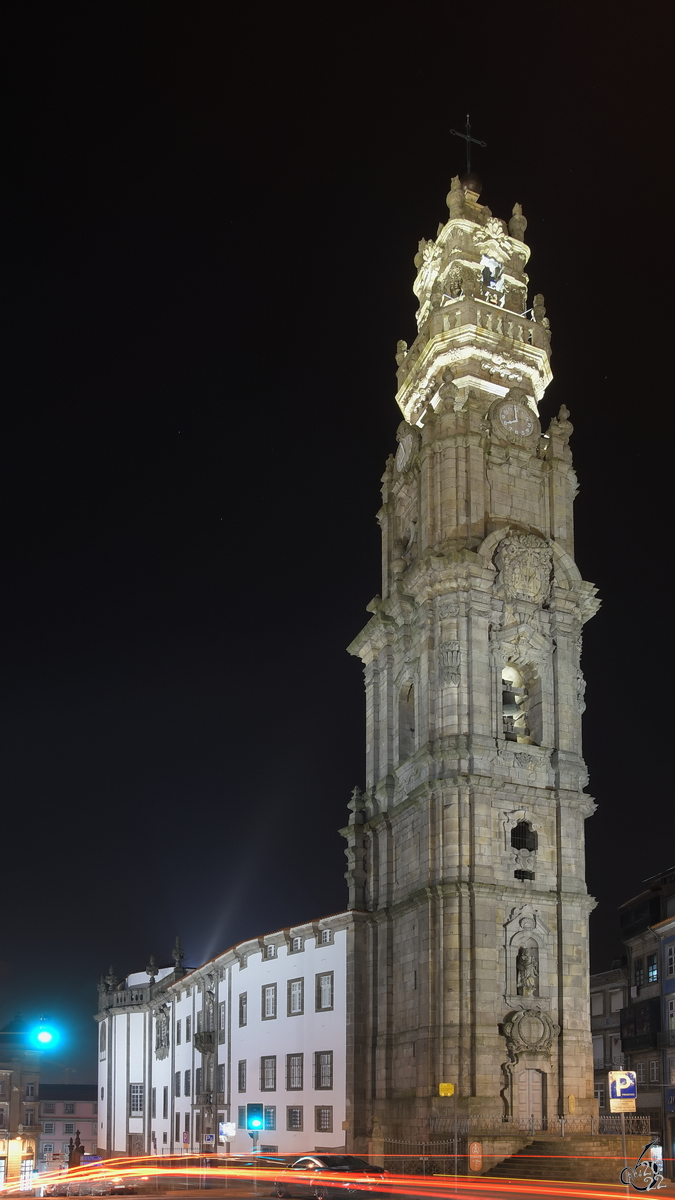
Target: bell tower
[[466, 847]]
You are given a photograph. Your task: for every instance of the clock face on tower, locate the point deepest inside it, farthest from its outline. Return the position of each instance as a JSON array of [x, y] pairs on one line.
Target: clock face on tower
[[512, 418]]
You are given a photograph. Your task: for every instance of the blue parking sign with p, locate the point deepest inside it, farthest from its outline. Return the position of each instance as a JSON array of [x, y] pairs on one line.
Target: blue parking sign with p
[[622, 1091]]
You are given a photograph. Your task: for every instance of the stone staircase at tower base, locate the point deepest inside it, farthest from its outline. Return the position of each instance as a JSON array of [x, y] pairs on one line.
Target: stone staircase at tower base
[[576, 1157]]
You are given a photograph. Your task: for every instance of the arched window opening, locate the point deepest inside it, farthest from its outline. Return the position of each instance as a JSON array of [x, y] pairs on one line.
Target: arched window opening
[[515, 703], [523, 836], [406, 721]]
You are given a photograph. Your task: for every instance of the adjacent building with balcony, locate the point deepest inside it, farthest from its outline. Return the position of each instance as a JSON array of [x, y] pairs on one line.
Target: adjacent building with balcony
[[65, 1110], [648, 1021], [19, 1094]]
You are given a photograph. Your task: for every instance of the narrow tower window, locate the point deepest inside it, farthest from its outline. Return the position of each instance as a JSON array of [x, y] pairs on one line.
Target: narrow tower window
[[406, 722], [514, 705]]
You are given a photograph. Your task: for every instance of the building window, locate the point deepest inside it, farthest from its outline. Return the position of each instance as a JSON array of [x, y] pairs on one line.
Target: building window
[[269, 1002], [523, 836], [295, 997], [323, 1069], [615, 1001], [270, 951], [200, 1021], [515, 703], [523, 875], [30, 1091], [670, 967], [136, 1099], [49, 1106], [153, 1102], [65, 1149], [48, 1126], [326, 937], [198, 1128], [652, 969], [241, 1075], [165, 1102], [221, 1022], [268, 1073], [165, 1139], [640, 1072], [671, 1070], [294, 1072], [178, 1032], [243, 1009], [187, 1125], [297, 944], [102, 1093], [323, 1119], [639, 972], [597, 1004], [671, 1014], [324, 991], [406, 721], [221, 1078], [176, 1083], [270, 1116], [294, 1118], [187, 1082], [101, 1041], [176, 1128], [29, 1116], [3, 1126], [47, 1148], [241, 1116], [69, 1127], [69, 1108], [188, 1029], [94, 1108], [599, 1093], [198, 1083], [654, 1070]]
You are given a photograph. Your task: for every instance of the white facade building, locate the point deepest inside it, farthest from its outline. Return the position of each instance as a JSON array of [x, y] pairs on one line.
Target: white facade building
[[183, 1053]]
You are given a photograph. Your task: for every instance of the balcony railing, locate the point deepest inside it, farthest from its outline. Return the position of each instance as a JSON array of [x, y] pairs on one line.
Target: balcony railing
[[666, 1038]]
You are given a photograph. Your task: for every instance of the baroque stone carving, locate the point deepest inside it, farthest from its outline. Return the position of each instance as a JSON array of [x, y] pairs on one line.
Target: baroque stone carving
[[524, 564], [530, 1030], [449, 609], [527, 971], [450, 658], [162, 1032], [581, 691], [518, 223]]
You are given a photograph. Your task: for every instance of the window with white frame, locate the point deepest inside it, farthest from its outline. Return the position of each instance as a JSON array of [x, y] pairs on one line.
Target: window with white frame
[[136, 1100], [323, 1118], [324, 991], [597, 1006], [69, 1107], [294, 1118], [29, 1116], [48, 1126], [243, 1008], [640, 1072], [47, 1148], [599, 1093], [654, 1070], [241, 1075], [294, 1072], [49, 1106], [670, 961], [269, 1002], [65, 1148], [221, 1022], [326, 937], [268, 1073], [270, 951], [69, 1127], [616, 1001], [652, 968], [296, 997], [270, 1116], [102, 1041], [323, 1069], [30, 1091], [297, 944]]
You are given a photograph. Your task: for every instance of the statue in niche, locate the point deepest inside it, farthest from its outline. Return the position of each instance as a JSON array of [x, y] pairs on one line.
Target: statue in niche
[[527, 971]]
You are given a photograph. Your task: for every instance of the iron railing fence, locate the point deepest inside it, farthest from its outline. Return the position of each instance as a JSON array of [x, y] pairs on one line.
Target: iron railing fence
[[557, 1126]]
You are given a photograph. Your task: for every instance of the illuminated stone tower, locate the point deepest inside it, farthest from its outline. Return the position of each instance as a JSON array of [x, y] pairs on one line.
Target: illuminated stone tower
[[466, 848]]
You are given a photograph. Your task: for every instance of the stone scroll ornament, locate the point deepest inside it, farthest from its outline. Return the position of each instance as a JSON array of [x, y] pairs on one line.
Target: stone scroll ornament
[[524, 565], [531, 1030], [450, 660]]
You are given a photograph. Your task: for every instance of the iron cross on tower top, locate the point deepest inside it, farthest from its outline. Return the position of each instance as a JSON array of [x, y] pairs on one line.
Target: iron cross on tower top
[[466, 136]]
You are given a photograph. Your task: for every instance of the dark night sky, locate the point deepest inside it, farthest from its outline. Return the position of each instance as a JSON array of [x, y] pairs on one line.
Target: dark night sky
[[210, 219]]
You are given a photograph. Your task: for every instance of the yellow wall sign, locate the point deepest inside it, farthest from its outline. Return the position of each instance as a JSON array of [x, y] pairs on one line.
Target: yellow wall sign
[[446, 1089]]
